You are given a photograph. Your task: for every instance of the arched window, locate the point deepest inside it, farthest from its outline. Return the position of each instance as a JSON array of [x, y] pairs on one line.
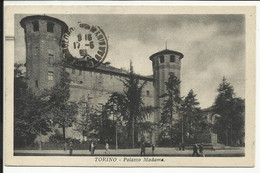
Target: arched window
[[50, 26], [161, 59], [51, 60], [172, 58], [35, 25]]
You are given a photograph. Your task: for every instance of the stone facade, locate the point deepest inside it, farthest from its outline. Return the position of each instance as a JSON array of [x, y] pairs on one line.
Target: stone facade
[[43, 35]]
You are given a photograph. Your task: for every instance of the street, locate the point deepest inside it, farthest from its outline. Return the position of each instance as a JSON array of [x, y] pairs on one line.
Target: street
[[174, 152]]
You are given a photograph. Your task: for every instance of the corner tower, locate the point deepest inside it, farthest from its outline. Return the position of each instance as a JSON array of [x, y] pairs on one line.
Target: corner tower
[[43, 50], [164, 62]]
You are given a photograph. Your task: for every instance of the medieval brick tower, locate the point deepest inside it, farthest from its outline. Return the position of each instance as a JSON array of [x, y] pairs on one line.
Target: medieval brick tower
[[43, 51], [164, 62]]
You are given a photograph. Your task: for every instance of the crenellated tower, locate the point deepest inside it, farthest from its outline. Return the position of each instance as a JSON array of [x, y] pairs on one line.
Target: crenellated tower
[[43, 50]]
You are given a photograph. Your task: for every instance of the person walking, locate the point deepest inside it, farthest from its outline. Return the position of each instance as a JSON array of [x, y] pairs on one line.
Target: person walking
[[153, 147], [107, 148], [201, 150], [180, 146], [71, 148], [183, 146], [195, 150], [142, 149], [92, 148], [65, 146]]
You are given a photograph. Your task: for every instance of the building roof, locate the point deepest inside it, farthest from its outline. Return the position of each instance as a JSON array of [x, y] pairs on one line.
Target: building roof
[[43, 17], [107, 68], [166, 51]]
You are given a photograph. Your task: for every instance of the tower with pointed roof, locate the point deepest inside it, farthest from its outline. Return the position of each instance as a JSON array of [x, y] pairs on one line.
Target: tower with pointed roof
[[163, 62]]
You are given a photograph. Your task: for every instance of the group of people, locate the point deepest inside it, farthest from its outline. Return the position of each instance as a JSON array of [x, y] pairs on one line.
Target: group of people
[[143, 148], [70, 147], [92, 147], [197, 147], [181, 146]]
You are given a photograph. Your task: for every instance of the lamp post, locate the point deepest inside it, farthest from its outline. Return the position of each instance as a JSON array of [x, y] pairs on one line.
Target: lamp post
[[182, 133], [115, 122]]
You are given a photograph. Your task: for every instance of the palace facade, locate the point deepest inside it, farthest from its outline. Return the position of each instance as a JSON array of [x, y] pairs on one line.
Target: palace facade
[[95, 85]]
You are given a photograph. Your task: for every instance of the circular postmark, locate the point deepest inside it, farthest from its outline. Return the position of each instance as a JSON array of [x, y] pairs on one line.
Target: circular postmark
[[85, 46]]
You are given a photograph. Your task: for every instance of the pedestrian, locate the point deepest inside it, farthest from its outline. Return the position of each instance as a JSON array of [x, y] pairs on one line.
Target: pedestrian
[[40, 145], [153, 147], [180, 146], [142, 149], [71, 148], [92, 148], [195, 150], [201, 150], [183, 146], [107, 148], [65, 146]]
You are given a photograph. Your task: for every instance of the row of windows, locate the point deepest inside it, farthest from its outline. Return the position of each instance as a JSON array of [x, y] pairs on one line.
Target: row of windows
[[80, 73], [50, 26], [172, 58], [51, 76]]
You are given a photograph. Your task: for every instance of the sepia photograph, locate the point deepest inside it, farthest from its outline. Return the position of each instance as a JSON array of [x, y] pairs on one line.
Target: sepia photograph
[[131, 88]]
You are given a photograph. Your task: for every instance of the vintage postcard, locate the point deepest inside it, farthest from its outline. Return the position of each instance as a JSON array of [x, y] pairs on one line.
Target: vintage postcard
[[130, 86]]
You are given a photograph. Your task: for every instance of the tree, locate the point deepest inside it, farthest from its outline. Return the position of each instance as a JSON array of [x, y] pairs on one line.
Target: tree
[[230, 125], [115, 107], [136, 112], [82, 122], [172, 105], [62, 110], [191, 118], [93, 122], [30, 118]]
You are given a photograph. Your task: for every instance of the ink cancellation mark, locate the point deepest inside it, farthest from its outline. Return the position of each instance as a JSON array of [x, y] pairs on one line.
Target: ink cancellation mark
[[84, 46]]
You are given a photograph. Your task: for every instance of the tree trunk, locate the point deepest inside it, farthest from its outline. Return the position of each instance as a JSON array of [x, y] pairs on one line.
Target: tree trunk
[[116, 138], [133, 133], [63, 131], [182, 132], [231, 135], [226, 136]]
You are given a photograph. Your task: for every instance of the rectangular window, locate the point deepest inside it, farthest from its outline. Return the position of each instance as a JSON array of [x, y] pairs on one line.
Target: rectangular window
[[51, 59], [50, 75], [36, 84], [80, 72], [50, 26], [35, 26], [161, 59], [148, 93], [73, 71], [172, 58]]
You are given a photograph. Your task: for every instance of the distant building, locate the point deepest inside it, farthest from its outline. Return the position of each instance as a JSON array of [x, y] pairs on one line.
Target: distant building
[[43, 50]]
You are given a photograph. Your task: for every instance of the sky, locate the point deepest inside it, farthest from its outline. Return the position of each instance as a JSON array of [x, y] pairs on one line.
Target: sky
[[213, 46]]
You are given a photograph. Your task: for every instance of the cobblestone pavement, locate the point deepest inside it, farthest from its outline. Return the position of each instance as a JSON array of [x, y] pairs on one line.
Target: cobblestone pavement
[[233, 152]]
